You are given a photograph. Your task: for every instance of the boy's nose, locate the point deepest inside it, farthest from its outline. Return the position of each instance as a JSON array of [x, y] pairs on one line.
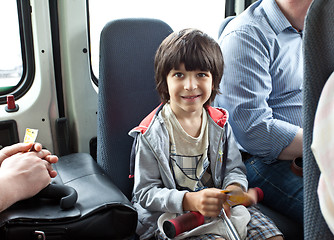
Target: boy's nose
[[190, 84]]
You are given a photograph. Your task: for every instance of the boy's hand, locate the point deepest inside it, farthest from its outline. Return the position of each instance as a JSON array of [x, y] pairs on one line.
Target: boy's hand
[[208, 202], [236, 196]]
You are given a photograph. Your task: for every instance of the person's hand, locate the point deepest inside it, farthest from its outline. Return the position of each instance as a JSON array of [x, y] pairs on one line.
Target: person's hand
[[13, 149], [9, 151], [24, 173], [48, 157], [237, 196], [208, 202], [253, 197]]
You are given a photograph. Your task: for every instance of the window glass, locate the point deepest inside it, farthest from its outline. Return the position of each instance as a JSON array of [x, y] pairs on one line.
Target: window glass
[[10, 46], [179, 14]]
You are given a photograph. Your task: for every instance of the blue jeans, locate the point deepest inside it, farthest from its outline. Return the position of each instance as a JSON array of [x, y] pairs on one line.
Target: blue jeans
[[283, 190]]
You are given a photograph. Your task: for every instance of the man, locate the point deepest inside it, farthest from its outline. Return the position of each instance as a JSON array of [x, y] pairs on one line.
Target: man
[[262, 90], [23, 174]]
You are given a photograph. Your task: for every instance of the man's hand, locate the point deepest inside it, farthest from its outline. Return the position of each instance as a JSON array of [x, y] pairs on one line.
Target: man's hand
[[24, 173], [22, 148]]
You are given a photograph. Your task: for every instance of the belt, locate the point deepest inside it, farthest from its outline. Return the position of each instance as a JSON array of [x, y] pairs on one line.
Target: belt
[[245, 156]]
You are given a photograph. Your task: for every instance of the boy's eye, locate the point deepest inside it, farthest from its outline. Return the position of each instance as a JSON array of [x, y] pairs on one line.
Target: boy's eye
[[179, 75], [202, 75]]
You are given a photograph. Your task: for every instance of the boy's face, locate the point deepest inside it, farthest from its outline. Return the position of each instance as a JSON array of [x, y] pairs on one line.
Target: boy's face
[[188, 90]]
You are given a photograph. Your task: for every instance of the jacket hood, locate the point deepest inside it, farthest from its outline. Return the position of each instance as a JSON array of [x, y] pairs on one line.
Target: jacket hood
[[219, 116]]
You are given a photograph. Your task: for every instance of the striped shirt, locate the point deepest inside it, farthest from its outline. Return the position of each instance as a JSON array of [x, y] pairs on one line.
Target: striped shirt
[[262, 83]]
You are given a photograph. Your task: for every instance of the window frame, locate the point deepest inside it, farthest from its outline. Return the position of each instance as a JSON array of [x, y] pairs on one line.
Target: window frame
[[95, 79]]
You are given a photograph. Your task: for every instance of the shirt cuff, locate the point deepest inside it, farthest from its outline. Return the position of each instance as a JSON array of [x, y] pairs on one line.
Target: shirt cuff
[[282, 135]]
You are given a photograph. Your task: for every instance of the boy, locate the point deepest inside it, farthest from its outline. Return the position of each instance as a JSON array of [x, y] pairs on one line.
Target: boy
[[180, 160]]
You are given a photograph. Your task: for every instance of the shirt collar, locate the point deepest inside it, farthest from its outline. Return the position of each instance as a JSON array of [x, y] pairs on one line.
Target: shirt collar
[[276, 18]]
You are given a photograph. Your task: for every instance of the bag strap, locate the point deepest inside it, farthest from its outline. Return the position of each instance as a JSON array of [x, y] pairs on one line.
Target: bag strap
[[67, 195]]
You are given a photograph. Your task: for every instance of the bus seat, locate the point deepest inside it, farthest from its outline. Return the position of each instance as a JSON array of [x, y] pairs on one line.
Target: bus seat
[[289, 228], [318, 65], [126, 90]]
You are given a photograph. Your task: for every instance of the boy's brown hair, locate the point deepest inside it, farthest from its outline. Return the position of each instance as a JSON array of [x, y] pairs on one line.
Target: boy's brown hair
[[196, 50]]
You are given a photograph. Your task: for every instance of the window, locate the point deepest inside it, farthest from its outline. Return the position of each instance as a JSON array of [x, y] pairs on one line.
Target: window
[[10, 46], [16, 47], [179, 14]]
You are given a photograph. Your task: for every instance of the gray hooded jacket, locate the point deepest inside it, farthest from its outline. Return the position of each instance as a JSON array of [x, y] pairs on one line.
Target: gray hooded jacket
[[154, 189]]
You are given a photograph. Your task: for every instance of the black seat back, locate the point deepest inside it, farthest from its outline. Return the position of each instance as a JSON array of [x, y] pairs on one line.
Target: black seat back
[[318, 65], [126, 90]]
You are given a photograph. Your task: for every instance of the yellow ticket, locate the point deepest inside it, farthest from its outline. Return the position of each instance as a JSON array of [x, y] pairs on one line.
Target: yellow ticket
[[30, 135], [235, 197]]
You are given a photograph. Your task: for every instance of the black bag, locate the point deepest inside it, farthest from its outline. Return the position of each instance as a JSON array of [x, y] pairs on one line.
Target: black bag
[[100, 212]]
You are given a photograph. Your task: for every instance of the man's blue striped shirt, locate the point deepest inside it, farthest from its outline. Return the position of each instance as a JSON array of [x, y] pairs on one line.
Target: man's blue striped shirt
[[262, 82]]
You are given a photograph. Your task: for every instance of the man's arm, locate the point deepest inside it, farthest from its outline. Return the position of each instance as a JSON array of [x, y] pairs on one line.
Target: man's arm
[[294, 149], [246, 88]]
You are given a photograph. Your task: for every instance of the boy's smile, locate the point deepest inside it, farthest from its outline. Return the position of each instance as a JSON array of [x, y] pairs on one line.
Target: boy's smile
[[188, 90], [191, 97]]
